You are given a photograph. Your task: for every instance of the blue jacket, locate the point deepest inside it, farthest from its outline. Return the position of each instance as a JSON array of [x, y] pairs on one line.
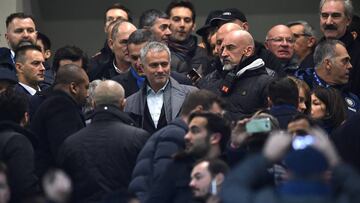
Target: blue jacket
[[156, 156]]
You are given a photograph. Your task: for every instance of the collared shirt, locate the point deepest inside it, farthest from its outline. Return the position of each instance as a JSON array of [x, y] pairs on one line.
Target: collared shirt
[[12, 56], [118, 70], [155, 101], [31, 90]]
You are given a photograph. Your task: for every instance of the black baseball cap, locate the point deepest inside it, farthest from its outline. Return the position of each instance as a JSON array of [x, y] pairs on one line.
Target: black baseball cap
[[228, 15], [213, 14]]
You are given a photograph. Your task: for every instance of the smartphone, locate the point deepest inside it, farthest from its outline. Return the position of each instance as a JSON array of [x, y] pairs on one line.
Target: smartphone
[[193, 75], [301, 142], [261, 125]]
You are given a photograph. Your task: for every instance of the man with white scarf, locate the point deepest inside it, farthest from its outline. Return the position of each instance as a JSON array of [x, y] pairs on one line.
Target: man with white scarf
[[242, 79]]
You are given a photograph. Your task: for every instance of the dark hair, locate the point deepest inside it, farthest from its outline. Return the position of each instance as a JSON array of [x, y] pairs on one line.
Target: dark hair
[[283, 91], [202, 97], [355, 24], [72, 53], [216, 166], [140, 36], [334, 102], [121, 7], [215, 124], [326, 49], [45, 40], [12, 106], [185, 4], [21, 51], [148, 17], [12, 16]]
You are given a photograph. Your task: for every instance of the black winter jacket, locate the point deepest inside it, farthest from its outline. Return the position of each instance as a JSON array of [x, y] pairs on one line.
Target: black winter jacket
[[247, 90], [100, 157], [18, 155], [156, 156]]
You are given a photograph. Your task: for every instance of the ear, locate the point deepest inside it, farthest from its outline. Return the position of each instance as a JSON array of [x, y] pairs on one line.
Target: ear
[[327, 64], [110, 43], [354, 34], [73, 88], [122, 104], [194, 27], [215, 138], [248, 51], [219, 179], [311, 41], [18, 67], [246, 26], [266, 45], [47, 54]]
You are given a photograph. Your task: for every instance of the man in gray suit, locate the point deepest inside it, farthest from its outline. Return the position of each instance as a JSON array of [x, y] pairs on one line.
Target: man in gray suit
[[160, 99]]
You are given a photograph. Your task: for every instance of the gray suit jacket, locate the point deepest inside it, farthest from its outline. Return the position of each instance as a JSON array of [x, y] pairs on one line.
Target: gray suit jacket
[[174, 96]]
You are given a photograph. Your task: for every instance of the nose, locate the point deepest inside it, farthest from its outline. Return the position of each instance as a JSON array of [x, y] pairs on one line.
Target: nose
[[42, 67], [223, 52], [188, 136], [167, 31], [329, 20], [192, 183], [182, 23], [25, 34]]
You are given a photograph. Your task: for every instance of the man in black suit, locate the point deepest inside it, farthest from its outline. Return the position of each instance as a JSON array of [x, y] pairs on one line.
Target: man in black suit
[[60, 115]]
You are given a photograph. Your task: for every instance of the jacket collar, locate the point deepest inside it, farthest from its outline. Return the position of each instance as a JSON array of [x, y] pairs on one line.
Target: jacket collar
[[110, 112]]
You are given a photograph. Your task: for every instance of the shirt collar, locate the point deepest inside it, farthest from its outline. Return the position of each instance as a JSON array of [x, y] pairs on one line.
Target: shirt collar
[[12, 53], [118, 70], [31, 90], [150, 90]]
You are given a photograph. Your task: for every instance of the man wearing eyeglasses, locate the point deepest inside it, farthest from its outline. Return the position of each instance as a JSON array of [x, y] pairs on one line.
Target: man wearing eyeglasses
[[305, 42], [280, 41], [335, 17]]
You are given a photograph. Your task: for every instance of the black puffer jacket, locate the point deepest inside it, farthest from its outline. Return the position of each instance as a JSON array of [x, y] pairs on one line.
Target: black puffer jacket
[[247, 92], [156, 156]]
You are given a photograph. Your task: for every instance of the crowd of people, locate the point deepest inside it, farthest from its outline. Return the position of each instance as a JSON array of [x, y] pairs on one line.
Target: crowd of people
[[160, 116]]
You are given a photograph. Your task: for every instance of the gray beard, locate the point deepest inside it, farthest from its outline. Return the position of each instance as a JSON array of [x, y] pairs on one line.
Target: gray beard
[[228, 67]]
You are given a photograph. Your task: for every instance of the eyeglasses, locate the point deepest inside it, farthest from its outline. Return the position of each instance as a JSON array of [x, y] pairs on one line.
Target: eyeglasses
[[298, 35], [281, 39]]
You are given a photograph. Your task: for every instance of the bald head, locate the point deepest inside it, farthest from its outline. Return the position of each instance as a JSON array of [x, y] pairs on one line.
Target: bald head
[[224, 30], [123, 28], [240, 37], [280, 41], [74, 81], [109, 92], [70, 73], [236, 47]]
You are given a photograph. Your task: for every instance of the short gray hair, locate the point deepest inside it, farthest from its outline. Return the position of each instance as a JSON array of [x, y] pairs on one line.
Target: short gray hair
[[155, 47], [349, 9], [308, 29], [108, 92], [115, 29], [325, 50]]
